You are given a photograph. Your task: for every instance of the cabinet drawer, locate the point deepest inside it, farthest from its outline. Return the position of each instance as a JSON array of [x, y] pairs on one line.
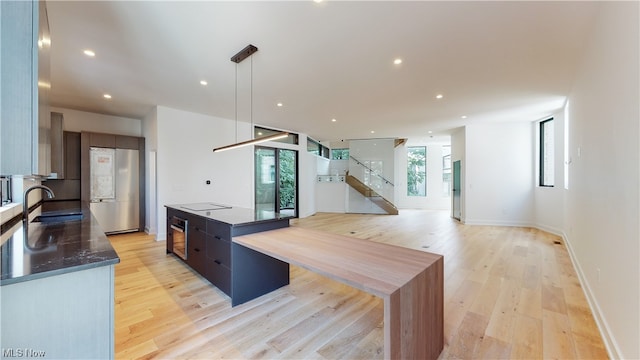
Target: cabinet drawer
[[220, 276], [197, 223], [177, 213], [196, 252], [219, 251], [219, 230]]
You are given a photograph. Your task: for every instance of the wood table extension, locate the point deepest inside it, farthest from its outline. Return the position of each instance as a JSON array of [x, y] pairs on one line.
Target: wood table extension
[[409, 281]]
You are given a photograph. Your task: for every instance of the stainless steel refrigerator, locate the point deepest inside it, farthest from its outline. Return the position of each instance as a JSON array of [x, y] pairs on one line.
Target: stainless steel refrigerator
[[115, 187]]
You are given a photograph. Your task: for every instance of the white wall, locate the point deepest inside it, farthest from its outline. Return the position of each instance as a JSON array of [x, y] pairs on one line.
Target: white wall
[[548, 202], [498, 174], [602, 228], [371, 150], [185, 160], [306, 179], [435, 200], [331, 197], [150, 133], [78, 121]]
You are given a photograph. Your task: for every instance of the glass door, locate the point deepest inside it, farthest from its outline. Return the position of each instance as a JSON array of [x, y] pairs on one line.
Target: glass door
[[287, 182], [265, 182], [276, 180], [457, 191]]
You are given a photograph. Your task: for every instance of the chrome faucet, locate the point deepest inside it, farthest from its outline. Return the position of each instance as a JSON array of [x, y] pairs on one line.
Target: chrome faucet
[[25, 201]]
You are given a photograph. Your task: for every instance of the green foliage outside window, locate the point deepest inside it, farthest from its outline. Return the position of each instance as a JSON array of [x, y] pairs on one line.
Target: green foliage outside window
[[339, 154], [287, 179], [416, 171]]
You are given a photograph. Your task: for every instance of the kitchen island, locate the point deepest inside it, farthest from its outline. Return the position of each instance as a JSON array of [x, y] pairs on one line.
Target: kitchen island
[[259, 250], [57, 288], [411, 282], [201, 235]]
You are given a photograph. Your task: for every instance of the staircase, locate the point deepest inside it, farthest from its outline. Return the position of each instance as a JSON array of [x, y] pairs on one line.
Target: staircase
[[369, 193]]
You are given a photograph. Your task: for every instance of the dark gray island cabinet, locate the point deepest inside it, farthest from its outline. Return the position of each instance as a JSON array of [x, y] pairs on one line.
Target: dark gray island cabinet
[[201, 236]]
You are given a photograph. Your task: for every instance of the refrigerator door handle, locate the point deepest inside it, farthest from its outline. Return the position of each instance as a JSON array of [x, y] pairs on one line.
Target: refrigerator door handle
[[102, 200]]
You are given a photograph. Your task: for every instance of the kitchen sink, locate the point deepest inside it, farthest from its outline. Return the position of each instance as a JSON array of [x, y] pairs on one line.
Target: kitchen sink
[[58, 216]]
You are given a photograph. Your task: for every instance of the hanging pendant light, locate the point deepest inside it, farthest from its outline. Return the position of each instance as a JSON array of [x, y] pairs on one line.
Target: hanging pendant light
[[237, 58]]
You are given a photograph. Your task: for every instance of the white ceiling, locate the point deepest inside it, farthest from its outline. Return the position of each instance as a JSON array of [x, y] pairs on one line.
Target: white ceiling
[[492, 61]]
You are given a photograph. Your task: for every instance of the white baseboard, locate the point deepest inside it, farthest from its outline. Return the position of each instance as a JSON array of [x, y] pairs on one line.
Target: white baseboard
[[609, 341], [497, 223]]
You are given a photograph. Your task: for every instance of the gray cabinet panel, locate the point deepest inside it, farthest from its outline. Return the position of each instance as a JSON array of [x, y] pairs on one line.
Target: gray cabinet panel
[[71, 155], [69, 316], [127, 142], [102, 140], [25, 133]]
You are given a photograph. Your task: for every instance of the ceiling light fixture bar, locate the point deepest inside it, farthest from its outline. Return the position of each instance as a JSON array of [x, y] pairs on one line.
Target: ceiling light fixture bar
[[244, 53], [237, 58], [252, 141]]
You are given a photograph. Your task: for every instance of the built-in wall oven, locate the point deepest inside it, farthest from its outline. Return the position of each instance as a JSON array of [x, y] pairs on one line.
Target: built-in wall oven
[[178, 228]]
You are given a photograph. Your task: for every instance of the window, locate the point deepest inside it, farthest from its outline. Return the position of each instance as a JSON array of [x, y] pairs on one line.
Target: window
[[546, 153], [259, 132], [316, 148], [5, 190], [313, 146], [446, 170], [416, 171], [339, 154]]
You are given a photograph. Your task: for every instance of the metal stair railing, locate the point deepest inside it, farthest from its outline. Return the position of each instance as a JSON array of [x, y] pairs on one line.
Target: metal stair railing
[[371, 171]]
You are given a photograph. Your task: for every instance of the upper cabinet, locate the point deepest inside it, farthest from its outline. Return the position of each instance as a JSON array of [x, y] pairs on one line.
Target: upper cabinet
[[25, 84]]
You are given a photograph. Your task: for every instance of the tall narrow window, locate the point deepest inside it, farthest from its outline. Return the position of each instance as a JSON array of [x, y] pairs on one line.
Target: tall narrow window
[[416, 171], [446, 170], [546, 153]]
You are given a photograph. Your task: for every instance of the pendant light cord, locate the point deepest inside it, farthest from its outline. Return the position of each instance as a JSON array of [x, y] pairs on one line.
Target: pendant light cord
[[251, 100], [236, 102]]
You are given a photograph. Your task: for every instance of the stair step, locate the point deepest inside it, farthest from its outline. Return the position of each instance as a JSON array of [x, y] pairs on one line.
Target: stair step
[[368, 192]]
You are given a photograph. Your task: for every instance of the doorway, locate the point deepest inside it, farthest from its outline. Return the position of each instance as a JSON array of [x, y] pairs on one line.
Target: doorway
[[457, 191], [276, 180]]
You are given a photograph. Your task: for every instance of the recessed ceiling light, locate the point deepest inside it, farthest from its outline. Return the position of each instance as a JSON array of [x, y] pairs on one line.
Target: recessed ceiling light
[[107, 96], [334, 120], [317, 1], [397, 61], [439, 96], [430, 132], [463, 116], [89, 53], [373, 132], [203, 82], [279, 105]]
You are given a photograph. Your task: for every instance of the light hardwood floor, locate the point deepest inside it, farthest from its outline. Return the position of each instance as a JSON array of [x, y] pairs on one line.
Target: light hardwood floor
[[509, 293]]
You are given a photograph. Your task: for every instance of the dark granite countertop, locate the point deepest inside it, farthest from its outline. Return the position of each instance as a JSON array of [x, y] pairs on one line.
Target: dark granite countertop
[[234, 216], [40, 250]]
